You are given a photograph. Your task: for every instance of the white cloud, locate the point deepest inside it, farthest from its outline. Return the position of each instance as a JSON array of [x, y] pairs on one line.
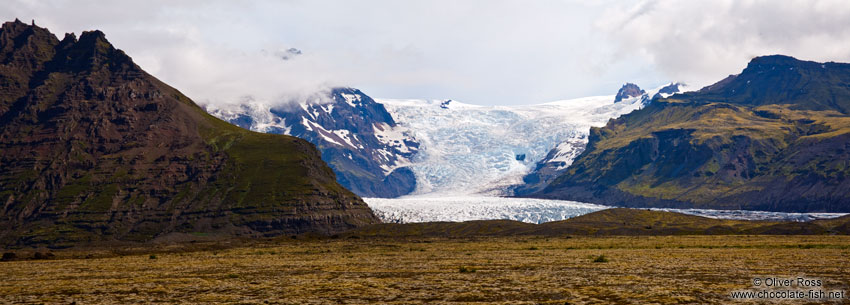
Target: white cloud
[[701, 42], [476, 51], [486, 52]]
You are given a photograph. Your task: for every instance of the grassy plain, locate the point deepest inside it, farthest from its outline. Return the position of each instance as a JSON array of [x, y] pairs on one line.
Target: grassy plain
[[484, 270]]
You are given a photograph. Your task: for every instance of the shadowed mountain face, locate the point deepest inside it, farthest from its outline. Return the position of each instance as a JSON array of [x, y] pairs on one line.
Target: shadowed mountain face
[[775, 137], [628, 90], [93, 148], [783, 80], [357, 137]]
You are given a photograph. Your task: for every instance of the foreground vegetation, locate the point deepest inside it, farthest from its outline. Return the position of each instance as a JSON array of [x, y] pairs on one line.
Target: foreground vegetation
[[508, 270]]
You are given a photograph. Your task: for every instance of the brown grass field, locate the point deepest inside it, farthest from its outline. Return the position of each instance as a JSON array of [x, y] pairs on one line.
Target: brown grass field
[[484, 270]]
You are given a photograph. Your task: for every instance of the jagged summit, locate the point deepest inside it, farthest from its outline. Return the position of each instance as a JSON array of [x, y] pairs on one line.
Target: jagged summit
[[628, 90], [70, 38], [669, 90], [28, 46], [672, 88]]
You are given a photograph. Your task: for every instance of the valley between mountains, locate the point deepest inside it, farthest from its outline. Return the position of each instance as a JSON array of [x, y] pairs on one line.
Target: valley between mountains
[[771, 138], [95, 150], [117, 188]]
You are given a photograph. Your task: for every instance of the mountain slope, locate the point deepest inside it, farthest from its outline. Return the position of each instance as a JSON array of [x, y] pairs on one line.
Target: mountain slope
[[775, 137], [357, 137], [93, 148], [783, 80], [562, 155]]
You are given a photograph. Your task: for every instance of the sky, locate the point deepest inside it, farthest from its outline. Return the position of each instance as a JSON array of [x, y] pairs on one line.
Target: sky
[[485, 52]]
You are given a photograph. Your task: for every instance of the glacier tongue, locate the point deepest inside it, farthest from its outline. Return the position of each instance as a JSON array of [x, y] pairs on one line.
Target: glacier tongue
[[465, 208], [469, 149]]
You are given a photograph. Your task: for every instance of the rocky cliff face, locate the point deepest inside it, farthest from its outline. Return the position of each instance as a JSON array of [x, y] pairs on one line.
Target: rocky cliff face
[[775, 137], [628, 90], [93, 148], [357, 137]]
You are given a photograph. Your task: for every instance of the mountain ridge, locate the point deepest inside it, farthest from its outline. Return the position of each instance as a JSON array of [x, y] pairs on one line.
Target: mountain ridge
[[774, 137], [93, 148]]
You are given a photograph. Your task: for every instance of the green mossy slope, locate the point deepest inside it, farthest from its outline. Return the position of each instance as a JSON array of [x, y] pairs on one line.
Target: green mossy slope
[[776, 137]]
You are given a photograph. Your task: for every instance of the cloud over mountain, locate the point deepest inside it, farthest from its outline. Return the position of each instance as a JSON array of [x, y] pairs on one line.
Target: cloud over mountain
[[479, 52], [702, 41]]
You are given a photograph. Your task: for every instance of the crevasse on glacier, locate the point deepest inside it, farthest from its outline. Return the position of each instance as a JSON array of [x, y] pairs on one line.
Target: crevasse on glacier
[[468, 149]]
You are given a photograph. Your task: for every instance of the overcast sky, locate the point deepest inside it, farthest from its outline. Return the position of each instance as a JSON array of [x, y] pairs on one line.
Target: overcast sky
[[484, 52]]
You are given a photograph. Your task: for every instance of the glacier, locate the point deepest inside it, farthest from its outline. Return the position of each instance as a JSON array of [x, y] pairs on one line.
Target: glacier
[[464, 208], [460, 157], [412, 209], [470, 149], [472, 155]]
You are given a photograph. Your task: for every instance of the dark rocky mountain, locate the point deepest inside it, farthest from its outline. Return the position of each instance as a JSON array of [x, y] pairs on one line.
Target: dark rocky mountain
[[668, 90], [628, 90], [92, 148], [358, 138], [774, 137], [783, 80]]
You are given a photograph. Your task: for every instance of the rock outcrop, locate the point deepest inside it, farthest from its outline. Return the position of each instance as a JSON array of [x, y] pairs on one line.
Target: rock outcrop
[[628, 90]]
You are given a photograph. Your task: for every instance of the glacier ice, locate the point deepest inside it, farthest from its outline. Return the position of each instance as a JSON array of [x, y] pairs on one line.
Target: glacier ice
[[464, 208], [469, 149]]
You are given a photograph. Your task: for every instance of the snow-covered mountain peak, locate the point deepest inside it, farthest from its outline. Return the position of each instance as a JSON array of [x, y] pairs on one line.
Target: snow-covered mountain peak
[[358, 138], [392, 147]]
